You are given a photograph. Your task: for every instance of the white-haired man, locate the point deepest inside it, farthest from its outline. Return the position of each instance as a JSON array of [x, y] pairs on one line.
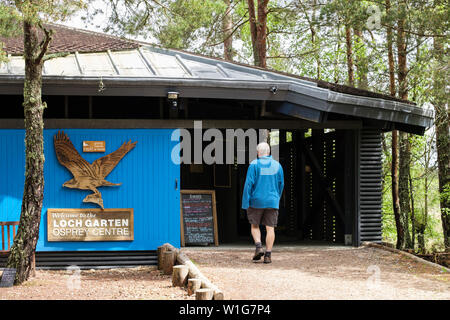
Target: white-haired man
[[262, 192]]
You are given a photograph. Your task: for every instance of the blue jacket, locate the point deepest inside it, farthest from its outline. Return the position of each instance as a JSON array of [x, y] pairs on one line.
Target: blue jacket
[[264, 184]]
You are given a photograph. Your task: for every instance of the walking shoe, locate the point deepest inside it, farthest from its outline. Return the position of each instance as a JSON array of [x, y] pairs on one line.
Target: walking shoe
[[267, 259], [259, 252]]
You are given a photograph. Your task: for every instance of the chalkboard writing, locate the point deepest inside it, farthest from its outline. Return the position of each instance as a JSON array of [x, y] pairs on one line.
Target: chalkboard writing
[[198, 212], [8, 276]]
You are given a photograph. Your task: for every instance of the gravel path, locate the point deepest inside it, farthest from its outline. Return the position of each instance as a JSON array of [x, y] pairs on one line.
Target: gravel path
[[320, 273], [300, 272]]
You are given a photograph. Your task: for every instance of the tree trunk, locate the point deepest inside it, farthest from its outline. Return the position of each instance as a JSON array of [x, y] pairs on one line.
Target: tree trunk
[[258, 31], [413, 216], [314, 39], [404, 144], [392, 90], [361, 63], [348, 43], [421, 224], [402, 61], [403, 185], [394, 147], [27, 235], [395, 195], [442, 121], [227, 32]]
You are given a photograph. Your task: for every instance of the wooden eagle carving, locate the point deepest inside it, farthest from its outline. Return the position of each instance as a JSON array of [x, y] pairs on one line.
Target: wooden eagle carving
[[88, 176]]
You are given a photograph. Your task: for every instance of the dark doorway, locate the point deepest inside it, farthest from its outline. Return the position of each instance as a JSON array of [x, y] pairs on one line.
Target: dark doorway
[[228, 182]]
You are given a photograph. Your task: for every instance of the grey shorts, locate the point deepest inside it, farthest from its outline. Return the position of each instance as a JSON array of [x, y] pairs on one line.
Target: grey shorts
[[266, 216]]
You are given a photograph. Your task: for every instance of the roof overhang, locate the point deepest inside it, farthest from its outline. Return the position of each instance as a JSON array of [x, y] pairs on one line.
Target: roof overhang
[[299, 98]]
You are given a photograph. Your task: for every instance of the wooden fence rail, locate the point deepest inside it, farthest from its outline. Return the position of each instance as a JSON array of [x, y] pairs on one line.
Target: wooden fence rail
[[8, 226]]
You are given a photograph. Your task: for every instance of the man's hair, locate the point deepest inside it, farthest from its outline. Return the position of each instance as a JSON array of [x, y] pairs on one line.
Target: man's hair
[[263, 149]]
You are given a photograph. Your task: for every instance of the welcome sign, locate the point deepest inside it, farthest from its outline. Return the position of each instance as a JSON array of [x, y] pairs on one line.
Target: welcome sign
[[90, 225]]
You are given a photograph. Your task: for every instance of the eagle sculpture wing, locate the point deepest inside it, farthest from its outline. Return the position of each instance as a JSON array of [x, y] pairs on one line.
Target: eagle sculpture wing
[[69, 157], [104, 165]]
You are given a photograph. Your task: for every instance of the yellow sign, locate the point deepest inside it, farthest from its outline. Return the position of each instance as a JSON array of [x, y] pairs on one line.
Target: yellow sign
[[94, 146], [90, 225]]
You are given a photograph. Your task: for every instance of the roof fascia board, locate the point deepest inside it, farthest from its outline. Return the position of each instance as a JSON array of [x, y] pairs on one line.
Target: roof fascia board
[[182, 123], [306, 96], [390, 105]]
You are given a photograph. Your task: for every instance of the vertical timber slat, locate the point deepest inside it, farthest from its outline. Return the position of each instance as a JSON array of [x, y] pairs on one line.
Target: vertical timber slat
[[8, 229], [370, 197]]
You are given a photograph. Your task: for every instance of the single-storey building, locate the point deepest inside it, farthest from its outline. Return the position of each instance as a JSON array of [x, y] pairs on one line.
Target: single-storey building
[[108, 91]]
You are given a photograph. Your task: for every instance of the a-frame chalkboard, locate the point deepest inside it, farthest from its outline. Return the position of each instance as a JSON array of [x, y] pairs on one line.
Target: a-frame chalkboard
[[198, 217]]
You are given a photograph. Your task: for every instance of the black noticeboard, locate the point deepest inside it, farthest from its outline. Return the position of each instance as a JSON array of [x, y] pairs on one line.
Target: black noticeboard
[[8, 276], [198, 217]]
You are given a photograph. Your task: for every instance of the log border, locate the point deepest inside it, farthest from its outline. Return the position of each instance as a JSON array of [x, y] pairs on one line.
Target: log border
[[194, 272], [406, 254]]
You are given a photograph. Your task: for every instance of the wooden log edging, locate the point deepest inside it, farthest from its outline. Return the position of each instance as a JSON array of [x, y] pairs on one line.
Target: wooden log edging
[[180, 275], [193, 273], [168, 261], [193, 285], [406, 254], [204, 294]]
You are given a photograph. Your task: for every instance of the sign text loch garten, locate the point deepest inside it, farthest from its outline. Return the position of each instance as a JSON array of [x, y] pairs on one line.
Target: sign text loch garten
[[90, 225]]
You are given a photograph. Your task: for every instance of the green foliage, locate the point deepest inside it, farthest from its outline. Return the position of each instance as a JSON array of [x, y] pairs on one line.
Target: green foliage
[[13, 13], [307, 38], [9, 26], [423, 166]]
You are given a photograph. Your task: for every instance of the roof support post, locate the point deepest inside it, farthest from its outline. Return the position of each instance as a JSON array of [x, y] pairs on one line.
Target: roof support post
[[351, 181], [301, 179]]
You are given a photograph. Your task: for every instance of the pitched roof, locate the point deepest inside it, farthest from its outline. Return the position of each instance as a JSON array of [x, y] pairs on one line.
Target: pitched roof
[[71, 40], [67, 39], [124, 64]]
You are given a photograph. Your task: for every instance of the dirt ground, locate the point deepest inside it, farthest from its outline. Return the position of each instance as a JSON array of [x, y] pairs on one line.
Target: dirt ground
[[320, 273], [298, 272], [141, 283]]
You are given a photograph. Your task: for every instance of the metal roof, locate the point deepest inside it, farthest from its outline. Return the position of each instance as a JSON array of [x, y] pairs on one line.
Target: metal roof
[[149, 70]]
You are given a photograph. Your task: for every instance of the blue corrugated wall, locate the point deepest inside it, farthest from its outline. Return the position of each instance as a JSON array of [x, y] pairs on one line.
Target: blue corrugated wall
[[148, 185]]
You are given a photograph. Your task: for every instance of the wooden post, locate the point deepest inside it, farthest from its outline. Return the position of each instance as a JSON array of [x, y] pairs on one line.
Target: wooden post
[[161, 251], [180, 275], [204, 294], [193, 285], [169, 259], [218, 295]]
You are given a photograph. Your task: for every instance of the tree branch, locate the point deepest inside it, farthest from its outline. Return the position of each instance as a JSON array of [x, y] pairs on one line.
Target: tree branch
[[54, 55], [415, 33], [229, 35], [44, 44]]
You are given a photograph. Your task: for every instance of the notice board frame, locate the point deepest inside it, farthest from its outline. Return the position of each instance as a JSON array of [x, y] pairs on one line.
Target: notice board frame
[[214, 212]]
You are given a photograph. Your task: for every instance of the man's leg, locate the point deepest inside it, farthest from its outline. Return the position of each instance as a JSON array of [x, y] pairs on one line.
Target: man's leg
[[270, 238], [256, 233], [254, 217]]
